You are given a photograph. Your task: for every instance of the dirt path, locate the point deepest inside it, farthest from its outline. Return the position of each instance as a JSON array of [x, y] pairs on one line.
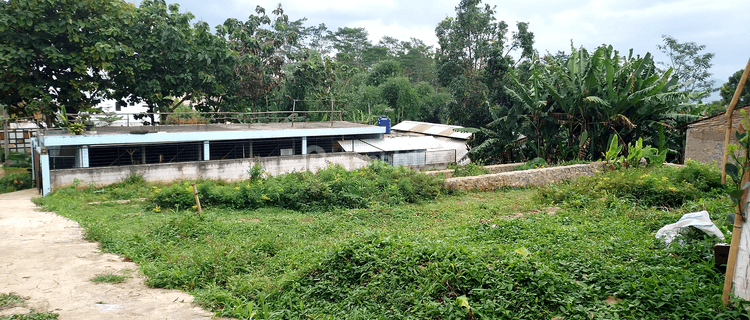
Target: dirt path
[[44, 258]]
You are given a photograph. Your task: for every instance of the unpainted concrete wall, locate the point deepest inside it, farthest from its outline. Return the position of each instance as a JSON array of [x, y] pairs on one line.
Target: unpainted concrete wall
[[497, 168], [532, 177], [228, 170]]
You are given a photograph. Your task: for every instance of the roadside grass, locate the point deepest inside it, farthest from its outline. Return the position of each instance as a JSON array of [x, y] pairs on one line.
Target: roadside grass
[[12, 300], [109, 278], [534, 253]]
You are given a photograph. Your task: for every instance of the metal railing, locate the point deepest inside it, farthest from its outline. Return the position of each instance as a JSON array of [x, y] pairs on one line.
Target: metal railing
[[187, 118]]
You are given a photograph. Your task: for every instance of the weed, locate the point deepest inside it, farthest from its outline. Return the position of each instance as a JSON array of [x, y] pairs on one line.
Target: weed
[[109, 278], [494, 255], [471, 169], [10, 300]]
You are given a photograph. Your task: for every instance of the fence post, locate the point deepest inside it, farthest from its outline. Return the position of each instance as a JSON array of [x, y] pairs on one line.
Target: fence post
[[6, 143]]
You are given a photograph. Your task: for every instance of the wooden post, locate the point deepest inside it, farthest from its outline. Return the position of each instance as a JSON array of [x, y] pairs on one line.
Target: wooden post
[[734, 245], [729, 114], [197, 201], [738, 216]]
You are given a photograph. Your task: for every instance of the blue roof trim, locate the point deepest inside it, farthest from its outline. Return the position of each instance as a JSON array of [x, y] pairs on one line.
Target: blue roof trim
[[172, 137]]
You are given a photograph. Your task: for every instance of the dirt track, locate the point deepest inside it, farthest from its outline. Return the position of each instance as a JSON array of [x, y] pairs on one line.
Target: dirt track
[[44, 258]]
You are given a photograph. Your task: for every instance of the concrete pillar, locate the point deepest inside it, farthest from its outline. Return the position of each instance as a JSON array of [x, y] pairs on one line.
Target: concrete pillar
[[143, 154], [251, 149], [304, 145], [82, 157], [44, 164], [206, 151]]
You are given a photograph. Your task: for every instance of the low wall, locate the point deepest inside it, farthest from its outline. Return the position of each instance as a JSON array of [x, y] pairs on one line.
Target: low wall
[[228, 170], [497, 168], [531, 177]]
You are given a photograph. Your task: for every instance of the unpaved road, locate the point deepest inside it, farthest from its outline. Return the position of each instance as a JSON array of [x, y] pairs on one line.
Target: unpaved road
[[44, 258]]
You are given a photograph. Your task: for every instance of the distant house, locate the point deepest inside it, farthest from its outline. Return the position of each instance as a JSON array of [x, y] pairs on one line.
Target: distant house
[[705, 137], [166, 153], [419, 145]]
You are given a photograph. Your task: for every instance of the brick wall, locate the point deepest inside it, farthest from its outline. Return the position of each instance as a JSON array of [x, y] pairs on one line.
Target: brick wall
[[532, 177], [228, 170]]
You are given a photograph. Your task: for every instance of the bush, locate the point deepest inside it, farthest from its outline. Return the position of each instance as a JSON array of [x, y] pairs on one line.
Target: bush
[[666, 186], [469, 170], [15, 181], [333, 187]]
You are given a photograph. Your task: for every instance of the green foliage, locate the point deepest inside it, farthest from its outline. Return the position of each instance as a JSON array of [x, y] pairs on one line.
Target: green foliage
[[469, 170], [532, 164], [665, 186], [109, 278], [329, 188], [727, 90], [32, 316], [15, 181], [689, 64], [48, 63], [498, 254], [76, 128], [740, 165], [18, 160], [613, 153], [10, 300]]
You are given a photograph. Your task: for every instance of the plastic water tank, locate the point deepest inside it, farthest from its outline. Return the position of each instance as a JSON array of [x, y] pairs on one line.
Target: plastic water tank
[[385, 122]]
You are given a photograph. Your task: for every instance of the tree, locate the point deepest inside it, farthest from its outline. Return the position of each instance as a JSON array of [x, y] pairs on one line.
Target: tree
[[474, 58], [689, 64], [351, 45], [258, 42], [173, 63], [727, 90], [55, 54], [581, 101]]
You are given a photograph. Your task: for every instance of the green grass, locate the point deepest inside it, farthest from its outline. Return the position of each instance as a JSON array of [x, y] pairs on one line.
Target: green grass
[[109, 278], [11, 300], [506, 254]]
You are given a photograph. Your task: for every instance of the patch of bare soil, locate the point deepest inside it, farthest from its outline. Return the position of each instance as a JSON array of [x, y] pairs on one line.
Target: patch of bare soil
[[45, 259]]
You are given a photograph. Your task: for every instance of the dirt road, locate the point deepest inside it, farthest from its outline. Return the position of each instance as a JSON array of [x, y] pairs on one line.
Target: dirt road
[[43, 257]]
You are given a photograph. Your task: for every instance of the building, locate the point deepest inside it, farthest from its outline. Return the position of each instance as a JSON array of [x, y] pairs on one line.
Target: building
[[705, 137], [418, 145], [211, 151]]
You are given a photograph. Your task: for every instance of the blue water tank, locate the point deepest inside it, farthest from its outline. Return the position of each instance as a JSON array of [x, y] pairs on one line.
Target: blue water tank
[[385, 122]]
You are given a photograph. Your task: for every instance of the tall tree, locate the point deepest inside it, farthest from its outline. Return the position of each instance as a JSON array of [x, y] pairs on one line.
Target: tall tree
[[689, 63], [174, 61], [474, 58], [351, 45], [727, 90], [258, 42], [57, 53]]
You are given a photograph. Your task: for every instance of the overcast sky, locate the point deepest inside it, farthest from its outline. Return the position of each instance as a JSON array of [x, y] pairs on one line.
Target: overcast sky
[[722, 25]]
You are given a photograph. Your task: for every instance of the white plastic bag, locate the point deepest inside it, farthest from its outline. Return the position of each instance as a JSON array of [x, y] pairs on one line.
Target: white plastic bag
[[699, 220]]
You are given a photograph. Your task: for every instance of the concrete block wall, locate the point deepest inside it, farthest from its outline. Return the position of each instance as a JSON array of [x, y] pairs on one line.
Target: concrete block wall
[[532, 177], [228, 170], [497, 168]]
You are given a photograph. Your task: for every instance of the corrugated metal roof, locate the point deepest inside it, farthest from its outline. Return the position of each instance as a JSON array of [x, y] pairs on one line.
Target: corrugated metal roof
[[390, 144], [435, 129]]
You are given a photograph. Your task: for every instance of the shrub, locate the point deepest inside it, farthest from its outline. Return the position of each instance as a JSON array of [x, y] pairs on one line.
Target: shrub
[[333, 187], [666, 186], [15, 181], [471, 169]]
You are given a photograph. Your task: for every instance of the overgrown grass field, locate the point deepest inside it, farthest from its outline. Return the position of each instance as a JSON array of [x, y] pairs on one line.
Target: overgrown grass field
[[389, 243]]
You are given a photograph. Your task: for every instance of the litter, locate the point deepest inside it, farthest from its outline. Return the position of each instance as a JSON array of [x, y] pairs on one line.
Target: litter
[[699, 220]]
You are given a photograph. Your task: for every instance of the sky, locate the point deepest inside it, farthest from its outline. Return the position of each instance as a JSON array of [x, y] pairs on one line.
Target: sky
[[723, 26]]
